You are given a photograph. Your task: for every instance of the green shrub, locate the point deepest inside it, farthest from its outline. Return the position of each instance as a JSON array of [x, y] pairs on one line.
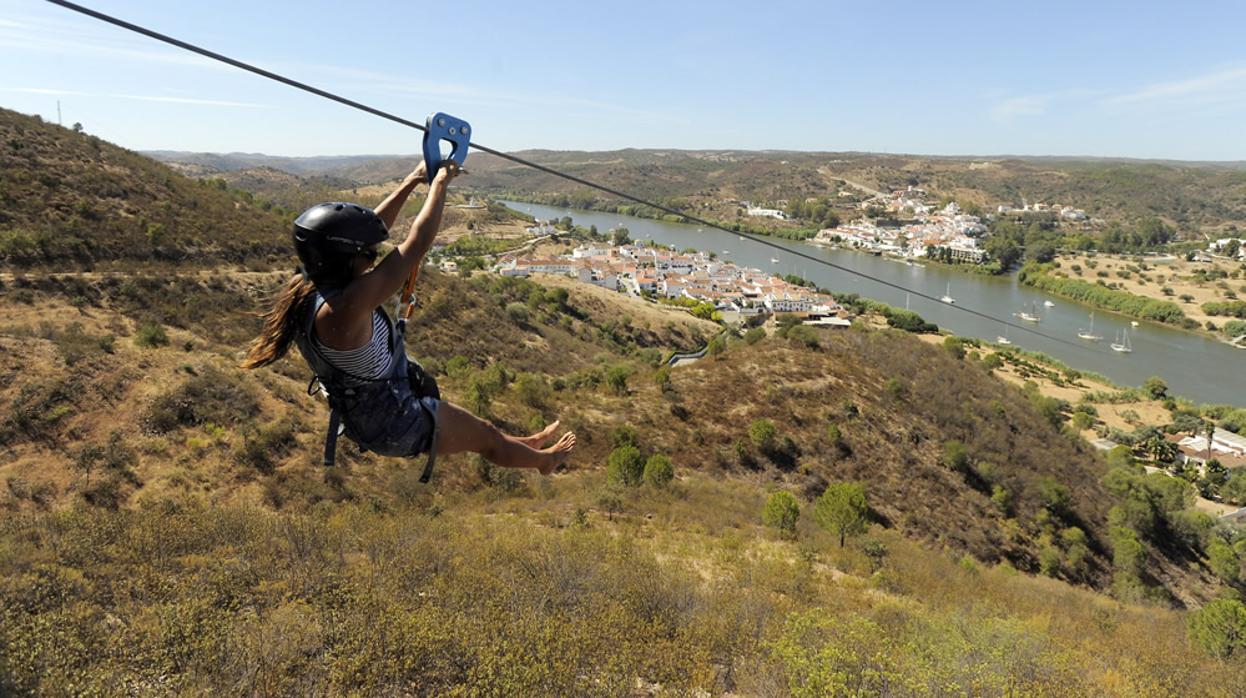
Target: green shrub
[[1235, 309], [616, 378], [212, 396], [955, 456], [781, 512], [658, 471], [261, 448], [1001, 498], [151, 335], [804, 336], [1219, 628], [910, 322], [624, 435], [533, 390], [518, 313], [955, 346], [1049, 560], [896, 387], [458, 367], [625, 466], [762, 433], [1223, 561]]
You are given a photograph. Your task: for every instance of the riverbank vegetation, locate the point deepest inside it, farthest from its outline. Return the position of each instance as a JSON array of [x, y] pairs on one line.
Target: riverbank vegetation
[[1040, 276]]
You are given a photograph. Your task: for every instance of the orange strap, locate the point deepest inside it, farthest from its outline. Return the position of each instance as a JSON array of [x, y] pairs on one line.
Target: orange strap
[[407, 298]]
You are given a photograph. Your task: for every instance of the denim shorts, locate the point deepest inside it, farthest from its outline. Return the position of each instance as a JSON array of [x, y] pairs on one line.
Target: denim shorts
[[406, 430]]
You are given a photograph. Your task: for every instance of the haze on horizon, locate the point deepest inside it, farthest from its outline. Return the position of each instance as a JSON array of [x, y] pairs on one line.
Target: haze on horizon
[[1116, 80]]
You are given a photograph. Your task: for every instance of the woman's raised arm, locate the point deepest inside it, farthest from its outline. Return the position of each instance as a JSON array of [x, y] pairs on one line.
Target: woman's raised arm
[[374, 287], [389, 208]]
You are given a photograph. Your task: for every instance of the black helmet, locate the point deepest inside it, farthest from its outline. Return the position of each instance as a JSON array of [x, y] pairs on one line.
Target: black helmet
[[328, 236]]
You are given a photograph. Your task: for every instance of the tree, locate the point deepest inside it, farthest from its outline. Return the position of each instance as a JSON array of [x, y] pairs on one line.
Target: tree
[[610, 498], [620, 236], [1219, 627], [1160, 450], [1156, 388], [662, 377], [658, 471], [479, 397], [910, 321], [1224, 562], [842, 509], [1128, 554], [1042, 252], [625, 466], [617, 377], [1076, 549], [1234, 491], [1055, 496], [1049, 560], [77, 127], [781, 512], [1214, 477], [1003, 250]]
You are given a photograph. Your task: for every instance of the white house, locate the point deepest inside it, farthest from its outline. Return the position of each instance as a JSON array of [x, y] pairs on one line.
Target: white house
[[767, 212]]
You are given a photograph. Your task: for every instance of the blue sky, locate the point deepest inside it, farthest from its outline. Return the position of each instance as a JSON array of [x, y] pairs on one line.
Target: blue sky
[[1132, 79]]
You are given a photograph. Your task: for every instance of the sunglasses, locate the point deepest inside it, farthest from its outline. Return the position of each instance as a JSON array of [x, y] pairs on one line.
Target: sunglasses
[[370, 253]]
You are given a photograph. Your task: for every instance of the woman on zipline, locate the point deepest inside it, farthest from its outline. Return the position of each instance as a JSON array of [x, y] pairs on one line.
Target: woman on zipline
[[331, 311]]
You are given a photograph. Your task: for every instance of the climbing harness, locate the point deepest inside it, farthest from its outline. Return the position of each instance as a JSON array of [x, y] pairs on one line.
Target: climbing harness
[[366, 409]]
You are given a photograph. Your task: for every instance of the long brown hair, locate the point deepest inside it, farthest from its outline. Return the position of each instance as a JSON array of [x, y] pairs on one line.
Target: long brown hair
[[281, 323]]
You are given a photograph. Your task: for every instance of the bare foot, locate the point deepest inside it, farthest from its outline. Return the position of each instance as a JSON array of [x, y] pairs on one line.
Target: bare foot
[[556, 454], [538, 439]]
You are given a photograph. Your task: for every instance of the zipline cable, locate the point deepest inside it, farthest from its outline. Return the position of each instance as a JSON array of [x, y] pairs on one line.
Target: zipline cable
[[528, 163]]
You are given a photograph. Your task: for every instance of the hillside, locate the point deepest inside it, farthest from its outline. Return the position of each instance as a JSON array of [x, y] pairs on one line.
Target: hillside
[[72, 201], [895, 402], [140, 437], [166, 527]]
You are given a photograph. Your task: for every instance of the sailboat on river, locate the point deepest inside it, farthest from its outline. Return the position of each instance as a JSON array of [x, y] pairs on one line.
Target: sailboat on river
[[1125, 348], [1089, 335]]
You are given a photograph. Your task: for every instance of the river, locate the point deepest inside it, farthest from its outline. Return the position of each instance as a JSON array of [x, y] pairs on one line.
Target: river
[[1193, 366]]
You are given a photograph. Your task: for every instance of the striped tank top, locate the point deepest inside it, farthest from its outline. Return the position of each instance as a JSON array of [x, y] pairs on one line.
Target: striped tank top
[[371, 361]]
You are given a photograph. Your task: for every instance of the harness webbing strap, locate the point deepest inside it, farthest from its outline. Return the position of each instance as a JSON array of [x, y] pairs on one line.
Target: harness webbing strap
[[330, 438], [432, 454]]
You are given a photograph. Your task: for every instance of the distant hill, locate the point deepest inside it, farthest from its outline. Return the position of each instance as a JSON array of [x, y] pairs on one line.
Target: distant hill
[[1190, 195], [70, 200], [303, 166]]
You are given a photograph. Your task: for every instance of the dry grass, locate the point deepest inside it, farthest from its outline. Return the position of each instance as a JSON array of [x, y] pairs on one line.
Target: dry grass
[[1176, 274]]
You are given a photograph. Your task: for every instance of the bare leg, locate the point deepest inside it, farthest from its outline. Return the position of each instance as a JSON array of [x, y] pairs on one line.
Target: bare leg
[[539, 439], [460, 430]]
